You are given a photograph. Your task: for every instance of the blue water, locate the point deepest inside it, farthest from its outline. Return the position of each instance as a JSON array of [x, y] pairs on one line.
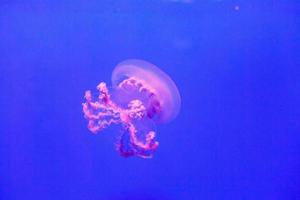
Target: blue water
[[236, 64]]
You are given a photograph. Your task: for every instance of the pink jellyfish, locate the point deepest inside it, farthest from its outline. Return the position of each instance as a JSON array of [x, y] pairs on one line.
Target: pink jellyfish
[[142, 95]]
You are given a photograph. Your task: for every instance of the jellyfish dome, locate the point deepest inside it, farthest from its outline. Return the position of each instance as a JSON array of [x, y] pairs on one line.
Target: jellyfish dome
[[152, 85], [141, 96]]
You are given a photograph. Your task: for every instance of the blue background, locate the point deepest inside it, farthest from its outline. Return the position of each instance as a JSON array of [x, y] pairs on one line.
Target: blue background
[[236, 64]]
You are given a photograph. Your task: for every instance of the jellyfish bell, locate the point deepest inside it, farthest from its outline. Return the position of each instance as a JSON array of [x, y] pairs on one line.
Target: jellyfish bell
[[139, 79]]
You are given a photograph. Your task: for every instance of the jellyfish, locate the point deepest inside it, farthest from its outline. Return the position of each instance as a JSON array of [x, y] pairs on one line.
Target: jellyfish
[[141, 97]]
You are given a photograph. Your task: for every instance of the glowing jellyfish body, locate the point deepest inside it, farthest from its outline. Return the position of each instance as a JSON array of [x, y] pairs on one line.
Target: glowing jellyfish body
[[142, 96]]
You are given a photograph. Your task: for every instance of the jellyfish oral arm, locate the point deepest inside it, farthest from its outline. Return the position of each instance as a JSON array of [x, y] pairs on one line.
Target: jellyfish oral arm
[[103, 112]]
